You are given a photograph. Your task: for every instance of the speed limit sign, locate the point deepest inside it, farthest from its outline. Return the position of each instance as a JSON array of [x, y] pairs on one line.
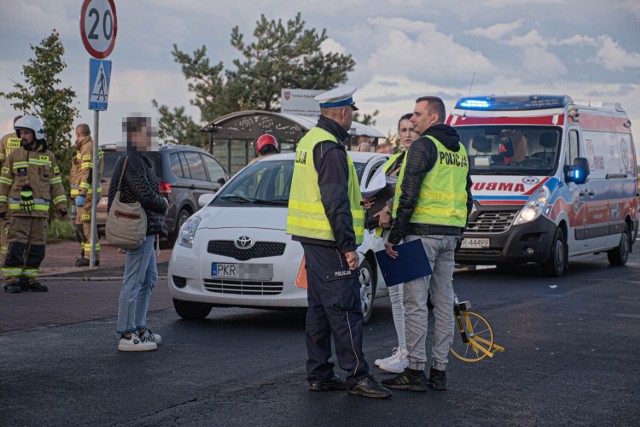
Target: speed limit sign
[[98, 27]]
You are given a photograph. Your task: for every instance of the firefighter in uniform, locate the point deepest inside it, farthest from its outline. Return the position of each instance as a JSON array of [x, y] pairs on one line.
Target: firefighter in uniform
[[325, 215], [30, 182], [8, 143], [81, 177]]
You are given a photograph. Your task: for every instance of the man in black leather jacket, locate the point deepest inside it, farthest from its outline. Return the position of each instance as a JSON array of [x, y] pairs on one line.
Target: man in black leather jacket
[[433, 207]]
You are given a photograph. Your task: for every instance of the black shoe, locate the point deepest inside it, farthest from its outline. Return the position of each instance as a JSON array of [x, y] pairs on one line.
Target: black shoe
[[408, 380], [369, 387], [13, 288], [437, 379], [24, 284], [333, 383], [82, 262], [36, 286]]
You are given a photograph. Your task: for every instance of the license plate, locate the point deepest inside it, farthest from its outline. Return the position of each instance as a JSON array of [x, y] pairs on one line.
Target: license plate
[[468, 243], [242, 271]]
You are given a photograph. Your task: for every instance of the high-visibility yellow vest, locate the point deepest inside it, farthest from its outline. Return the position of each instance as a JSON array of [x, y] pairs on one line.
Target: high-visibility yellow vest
[[391, 161], [443, 196], [306, 216]]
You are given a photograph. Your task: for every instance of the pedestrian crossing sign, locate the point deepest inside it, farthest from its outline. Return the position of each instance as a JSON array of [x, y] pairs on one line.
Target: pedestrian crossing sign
[[99, 81]]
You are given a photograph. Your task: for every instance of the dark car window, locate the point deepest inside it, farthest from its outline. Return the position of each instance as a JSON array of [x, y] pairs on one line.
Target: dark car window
[[216, 172], [176, 165], [196, 166], [109, 157]]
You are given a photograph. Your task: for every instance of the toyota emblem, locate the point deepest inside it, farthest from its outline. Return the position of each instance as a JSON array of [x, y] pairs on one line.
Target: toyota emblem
[[244, 242]]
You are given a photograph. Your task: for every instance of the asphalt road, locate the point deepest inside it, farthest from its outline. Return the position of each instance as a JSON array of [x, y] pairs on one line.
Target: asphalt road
[[571, 358]]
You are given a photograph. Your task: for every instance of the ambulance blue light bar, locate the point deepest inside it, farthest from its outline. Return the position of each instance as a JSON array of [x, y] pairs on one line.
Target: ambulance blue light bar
[[510, 103]]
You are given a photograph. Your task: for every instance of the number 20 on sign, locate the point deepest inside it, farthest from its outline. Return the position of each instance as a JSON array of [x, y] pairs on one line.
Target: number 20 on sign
[[98, 27]]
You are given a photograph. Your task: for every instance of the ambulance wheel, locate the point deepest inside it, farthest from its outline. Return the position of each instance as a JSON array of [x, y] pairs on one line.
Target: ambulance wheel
[[556, 264], [367, 290], [620, 255]]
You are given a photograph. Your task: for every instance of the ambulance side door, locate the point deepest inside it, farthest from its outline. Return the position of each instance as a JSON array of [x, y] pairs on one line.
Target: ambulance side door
[[577, 232]]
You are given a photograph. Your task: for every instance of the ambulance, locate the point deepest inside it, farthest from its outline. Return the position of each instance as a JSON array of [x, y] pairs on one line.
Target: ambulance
[[552, 180]]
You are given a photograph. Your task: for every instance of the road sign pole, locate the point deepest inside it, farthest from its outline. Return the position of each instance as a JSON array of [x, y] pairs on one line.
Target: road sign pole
[[94, 187]]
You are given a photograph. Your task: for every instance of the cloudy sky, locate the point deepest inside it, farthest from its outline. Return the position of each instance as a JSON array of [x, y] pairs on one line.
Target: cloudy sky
[[587, 49]]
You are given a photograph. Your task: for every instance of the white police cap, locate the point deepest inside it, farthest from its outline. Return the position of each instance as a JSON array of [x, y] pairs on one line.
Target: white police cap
[[337, 97]]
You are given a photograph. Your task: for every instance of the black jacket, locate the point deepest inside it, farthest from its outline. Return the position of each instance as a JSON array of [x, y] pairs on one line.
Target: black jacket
[[330, 161], [421, 158], [139, 183]]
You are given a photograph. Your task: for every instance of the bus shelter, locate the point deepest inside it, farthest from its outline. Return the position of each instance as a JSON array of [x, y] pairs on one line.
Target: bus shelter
[[232, 136]]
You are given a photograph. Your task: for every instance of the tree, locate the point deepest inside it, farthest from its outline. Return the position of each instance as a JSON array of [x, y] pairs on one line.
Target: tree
[[41, 96], [282, 55]]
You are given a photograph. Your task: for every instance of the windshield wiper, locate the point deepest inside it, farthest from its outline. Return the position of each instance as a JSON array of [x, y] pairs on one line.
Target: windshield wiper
[[237, 199], [271, 202]]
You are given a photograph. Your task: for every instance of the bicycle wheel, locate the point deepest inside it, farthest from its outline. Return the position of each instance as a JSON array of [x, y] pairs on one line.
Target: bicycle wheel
[[480, 340]]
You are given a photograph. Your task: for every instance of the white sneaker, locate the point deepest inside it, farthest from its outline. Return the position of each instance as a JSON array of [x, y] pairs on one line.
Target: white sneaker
[[150, 336], [136, 343], [395, 363], [379, 361]]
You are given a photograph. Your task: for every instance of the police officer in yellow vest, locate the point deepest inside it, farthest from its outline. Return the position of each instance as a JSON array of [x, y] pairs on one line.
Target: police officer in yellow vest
[[29, 185], [326, 217], [81, 176], [8, 143], [432, 202]]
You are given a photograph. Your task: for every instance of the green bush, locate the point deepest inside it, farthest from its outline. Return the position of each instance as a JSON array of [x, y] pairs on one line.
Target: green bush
[[58, 230]]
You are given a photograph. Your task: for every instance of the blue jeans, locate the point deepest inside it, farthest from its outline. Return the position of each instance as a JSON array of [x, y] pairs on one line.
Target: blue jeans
[[140, 277], [439, 250]]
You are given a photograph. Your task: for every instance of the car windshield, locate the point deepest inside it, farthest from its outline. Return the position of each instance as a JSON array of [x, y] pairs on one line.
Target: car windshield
[[264, 183], [511, 150]]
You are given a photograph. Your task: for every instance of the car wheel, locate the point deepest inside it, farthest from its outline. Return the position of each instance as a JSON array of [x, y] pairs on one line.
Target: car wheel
[[191, 310], [367, 290], [182, 217], [620, 255], [556, 264]]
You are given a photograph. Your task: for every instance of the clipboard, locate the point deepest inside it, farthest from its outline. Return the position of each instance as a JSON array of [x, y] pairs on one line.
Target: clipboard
[[412, 263]]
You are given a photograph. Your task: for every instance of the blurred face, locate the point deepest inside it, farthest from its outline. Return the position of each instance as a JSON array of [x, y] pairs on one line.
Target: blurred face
[[80, 137], [423, 118], [348, 117], [406, 133]]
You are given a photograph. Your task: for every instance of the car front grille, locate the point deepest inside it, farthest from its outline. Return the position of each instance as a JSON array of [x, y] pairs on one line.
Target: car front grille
[[492, 222], [259, 250], [242, 287]]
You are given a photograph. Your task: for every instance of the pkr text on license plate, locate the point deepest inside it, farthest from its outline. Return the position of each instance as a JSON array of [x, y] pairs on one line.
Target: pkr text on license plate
[[242, 271], [471, 243]]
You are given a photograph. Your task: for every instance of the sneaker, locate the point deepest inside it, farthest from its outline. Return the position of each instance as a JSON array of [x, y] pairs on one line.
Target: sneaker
[[369, 387], [13, 288], [410, 379], [135, 343], [333, 383], [437, 379], [395, 363], [150, 336], [35, 286], [82, 262]]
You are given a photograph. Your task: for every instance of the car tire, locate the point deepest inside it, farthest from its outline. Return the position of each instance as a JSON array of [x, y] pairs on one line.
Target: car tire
[[367, 290], [556, 264], [182, 217], [620, 255], [191, 310]]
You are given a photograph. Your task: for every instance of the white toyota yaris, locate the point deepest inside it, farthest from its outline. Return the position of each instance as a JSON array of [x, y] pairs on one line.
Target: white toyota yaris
[[235, 251]]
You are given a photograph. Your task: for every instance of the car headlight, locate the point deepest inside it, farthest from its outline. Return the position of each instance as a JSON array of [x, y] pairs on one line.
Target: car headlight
[[534, 206], [188, 231]]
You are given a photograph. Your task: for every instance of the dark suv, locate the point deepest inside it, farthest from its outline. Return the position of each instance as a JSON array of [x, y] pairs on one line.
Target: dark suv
[[184, 173]]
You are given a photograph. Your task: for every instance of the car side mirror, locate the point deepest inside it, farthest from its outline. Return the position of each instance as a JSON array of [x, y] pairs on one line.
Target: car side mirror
[[579, 172], [205, 199], [221, 181]]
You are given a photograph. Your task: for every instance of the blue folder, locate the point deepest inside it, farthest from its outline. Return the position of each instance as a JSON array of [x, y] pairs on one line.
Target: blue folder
[[412, 263]]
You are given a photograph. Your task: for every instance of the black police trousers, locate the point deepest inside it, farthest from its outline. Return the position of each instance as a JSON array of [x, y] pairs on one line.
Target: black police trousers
[[334, 310]]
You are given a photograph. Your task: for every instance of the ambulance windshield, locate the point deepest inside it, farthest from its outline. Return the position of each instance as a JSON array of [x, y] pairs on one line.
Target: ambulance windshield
[[511, 150]]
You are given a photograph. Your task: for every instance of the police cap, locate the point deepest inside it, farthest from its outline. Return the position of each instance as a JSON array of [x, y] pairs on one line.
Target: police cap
[[337, 97]]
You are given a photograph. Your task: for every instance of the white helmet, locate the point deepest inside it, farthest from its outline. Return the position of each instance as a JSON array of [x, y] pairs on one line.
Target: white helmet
[[30, 122]]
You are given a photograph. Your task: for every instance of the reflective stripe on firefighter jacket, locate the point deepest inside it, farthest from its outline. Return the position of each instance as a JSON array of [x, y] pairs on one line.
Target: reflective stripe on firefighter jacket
[[306, 216], [81, 174], [38, 170], [443, 195]]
